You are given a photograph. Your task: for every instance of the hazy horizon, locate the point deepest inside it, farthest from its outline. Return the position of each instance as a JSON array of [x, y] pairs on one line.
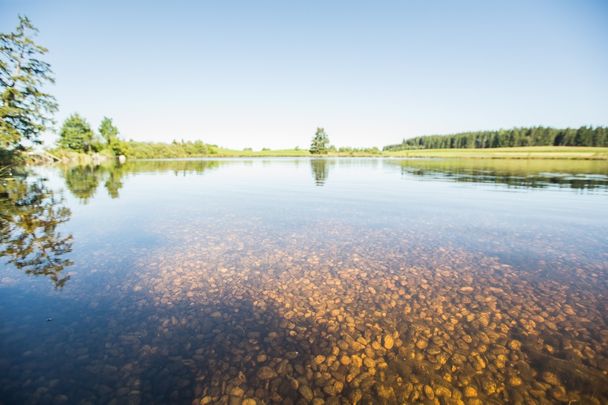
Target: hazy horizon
[[267, 74]]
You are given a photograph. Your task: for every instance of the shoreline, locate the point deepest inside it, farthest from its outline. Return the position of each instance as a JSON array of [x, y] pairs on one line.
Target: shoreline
[[516, 153]]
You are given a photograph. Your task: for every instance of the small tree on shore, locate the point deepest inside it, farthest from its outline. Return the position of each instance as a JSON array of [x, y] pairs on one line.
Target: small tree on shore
[[108, 130], [25, 109], [319, 142], [76, 134]]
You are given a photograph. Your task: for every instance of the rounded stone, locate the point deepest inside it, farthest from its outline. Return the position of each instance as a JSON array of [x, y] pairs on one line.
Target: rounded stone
[[388, 342], [428, 391], [266, 373], [550, 378], [515, 381], [306, 392], [470, 392], [237, 392]]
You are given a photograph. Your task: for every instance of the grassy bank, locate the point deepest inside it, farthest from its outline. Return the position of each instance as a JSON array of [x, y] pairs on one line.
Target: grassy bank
[[70, 156], [286, 153], [530, 152]]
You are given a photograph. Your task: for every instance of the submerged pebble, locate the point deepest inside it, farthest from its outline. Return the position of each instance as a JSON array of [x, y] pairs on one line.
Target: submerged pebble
[[302, 324]]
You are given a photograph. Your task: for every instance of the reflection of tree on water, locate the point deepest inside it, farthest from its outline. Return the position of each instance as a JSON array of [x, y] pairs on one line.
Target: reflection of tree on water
[[29, 239], [575, 175], [30, 212], [320, 170], [83, 180], [114, 183]]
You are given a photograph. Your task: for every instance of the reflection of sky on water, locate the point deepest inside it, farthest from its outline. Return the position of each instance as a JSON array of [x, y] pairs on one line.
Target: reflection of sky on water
[[464, 205]]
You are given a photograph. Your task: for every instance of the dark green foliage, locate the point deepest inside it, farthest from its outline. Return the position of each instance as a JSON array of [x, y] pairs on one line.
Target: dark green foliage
[[29, 216], [25, 109], [150, 150], [120, 147], [319, 142], [108, 131], [346, 149], [76, 134], [535, 136]]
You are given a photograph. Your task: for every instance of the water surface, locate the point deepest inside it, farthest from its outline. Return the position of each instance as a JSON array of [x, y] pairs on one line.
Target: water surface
[[293, 280]]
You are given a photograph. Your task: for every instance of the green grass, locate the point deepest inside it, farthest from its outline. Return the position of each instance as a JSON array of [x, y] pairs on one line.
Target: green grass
[[506, 167], [80, 157], [284, 153], [222, 152], [530, 152]]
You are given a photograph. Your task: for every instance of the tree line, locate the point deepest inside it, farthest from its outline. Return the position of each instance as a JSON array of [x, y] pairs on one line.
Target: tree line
[[77, 135], [534, 136], [175, 149]]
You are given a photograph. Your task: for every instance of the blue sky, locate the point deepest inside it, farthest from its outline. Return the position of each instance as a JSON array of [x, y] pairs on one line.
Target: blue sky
[[267, 73]]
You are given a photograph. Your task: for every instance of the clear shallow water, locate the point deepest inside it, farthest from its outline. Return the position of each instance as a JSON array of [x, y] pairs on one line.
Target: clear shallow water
[[288, 280]]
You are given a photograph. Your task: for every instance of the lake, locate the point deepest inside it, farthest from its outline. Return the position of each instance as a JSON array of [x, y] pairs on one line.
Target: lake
[[305, 281]]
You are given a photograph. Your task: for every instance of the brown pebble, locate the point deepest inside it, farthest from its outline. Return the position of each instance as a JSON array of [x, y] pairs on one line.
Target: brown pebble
[[237, 392], [470, 392], [306, 392], [266, 373], [515, 381], [550, 378], [428, 390], [388, 342]]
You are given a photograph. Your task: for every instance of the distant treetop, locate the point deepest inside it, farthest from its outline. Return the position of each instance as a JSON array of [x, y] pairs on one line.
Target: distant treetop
[[534, 136]]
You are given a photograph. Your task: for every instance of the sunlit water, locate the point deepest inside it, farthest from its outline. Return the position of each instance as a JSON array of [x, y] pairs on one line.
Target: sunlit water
[[303, 281]]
